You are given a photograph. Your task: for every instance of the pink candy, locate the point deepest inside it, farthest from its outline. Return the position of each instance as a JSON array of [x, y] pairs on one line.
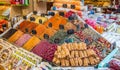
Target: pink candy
[[115, 64], [104, 25], [45, 50], [90, 22], [22, 40]]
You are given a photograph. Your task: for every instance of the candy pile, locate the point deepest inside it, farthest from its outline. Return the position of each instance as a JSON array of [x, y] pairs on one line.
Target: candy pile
[[22, 40], [115, 64], [75, 54], [45, 50]]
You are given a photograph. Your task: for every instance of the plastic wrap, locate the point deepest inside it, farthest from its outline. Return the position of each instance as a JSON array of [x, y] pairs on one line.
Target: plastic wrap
[[58, 37], [30, 27], [41, 20], [39, 30], [15, 36], [23, 25], [22, 40], [68, 6], [31, 43], [9, 33], [55, 22], [48, 33], [42, 50]]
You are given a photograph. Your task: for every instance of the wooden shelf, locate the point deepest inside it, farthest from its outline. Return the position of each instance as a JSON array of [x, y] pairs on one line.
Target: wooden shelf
[[18, 5], [4, 3], [98, 2], [45, 0]]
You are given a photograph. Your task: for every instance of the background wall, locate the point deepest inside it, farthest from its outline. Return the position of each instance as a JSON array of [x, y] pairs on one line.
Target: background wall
[[34, 5]]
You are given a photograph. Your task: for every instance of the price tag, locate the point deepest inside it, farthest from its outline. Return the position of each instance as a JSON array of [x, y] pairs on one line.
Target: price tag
[[26, 29], [61, 26], [46, 36], [72, 6], [42, 15], [64, 5], [71, 31], [24, 17], [40, 21], [50, 24], [32, 18], [34, 32], [61, 13], [56, 40], [34, 12], [52, 13]]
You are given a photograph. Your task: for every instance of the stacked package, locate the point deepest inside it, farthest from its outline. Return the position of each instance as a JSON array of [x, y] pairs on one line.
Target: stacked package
[[33, 17], [48, 33], [15, 36], [58, 37], [55, 21], [69, 26], [39, 30], [31, 43], [72, 4], [45, 50], [41, 20], [9, 33], [27, 26], [30, 27], [23, 25], [22, 40]]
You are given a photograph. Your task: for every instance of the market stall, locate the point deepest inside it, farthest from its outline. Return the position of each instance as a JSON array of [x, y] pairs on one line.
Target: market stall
[[62, 38]]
